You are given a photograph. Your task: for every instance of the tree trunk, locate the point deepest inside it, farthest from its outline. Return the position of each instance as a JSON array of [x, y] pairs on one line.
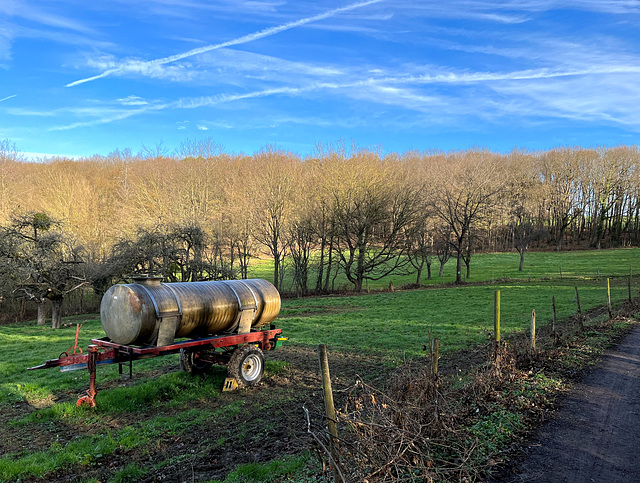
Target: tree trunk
[[600, 233], [329, 266], [459, 267], [56, 313], [42, 311], [429, 270], [559, 239], [419, 277], [276, 269], [323, 242], [521, 259]]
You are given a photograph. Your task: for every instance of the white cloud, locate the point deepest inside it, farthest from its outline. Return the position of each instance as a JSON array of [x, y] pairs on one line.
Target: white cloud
[[148, 67], [491, 10], [21, 9], [133, 101], [543, 86]]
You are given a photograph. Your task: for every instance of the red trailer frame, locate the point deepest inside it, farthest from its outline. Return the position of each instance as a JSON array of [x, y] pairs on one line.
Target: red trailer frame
[[104, 351]]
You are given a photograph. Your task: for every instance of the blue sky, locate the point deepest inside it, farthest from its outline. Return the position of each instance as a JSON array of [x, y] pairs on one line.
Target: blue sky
[[79, 78]]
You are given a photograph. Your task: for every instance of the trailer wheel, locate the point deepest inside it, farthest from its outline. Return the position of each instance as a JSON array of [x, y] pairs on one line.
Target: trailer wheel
[[190, 363], [246, 365]]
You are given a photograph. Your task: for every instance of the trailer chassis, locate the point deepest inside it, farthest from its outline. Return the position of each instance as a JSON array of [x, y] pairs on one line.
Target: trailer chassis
[[104, 351]]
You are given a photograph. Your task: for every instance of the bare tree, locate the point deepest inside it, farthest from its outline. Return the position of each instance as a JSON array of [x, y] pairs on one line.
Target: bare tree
[[301, 241], [611, 174], [176, 252], [524, 233], [372, 209], [419, 241], [561, 177], [41, 262], [274, 186], [463, 195], [442, 248]]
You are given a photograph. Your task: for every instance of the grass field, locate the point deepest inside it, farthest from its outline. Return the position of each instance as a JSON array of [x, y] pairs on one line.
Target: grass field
[[581, 265], [139, 425]]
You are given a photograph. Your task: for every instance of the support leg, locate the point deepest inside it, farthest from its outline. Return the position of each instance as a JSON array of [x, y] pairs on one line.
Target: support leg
[[90, 398]]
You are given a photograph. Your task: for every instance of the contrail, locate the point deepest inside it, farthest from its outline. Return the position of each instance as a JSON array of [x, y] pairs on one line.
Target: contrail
[[8, 97], [240, 40]]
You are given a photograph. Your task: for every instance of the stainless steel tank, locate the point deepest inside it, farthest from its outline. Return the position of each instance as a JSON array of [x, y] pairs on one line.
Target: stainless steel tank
[[149, 312]]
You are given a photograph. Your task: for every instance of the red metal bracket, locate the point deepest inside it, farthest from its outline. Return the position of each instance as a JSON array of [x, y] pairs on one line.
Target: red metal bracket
[[90, 398], [75, 349]]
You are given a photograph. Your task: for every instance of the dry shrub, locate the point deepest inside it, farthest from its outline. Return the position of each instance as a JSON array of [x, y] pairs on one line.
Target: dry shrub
[[421, 427], [413, 431]]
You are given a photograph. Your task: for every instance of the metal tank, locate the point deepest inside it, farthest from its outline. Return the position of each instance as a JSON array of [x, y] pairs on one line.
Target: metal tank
[[149, 312]]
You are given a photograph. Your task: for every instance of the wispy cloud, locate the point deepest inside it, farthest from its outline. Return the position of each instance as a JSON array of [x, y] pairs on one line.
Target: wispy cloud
[[504, 12], [133, 101], [15, 8], [8, 97], [140, 66], [523, 88], [108, 119]]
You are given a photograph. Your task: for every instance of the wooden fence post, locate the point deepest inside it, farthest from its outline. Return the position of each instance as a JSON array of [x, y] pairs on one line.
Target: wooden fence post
[[609, 299], [496, 315], [330, 409], [533, 329], [578, 300]]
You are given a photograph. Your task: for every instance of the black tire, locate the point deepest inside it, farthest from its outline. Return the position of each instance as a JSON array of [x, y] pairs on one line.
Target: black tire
[[190, 363], [246, 365]]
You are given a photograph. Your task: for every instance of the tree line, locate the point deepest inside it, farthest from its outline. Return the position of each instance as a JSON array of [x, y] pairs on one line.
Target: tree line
[[201, 213]]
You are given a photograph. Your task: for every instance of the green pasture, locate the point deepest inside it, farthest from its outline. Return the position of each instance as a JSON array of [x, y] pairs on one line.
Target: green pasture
[[580, 265], [391, 324], [398, 324], [164, 402]]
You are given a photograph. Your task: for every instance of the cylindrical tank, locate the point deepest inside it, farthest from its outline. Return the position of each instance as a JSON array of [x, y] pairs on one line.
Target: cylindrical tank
[[135, 313]]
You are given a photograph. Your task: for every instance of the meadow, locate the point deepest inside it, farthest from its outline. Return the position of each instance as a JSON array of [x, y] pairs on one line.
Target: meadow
[[166, 422], [488, 267]]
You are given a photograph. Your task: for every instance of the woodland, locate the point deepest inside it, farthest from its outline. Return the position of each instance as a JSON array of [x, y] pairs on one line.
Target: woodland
[[199, 213]]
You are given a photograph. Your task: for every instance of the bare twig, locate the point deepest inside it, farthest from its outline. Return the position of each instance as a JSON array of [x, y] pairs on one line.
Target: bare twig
[[324, 448]]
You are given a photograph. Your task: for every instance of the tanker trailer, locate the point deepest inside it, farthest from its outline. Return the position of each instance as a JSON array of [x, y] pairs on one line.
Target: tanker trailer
[[223, 322], [153, 313]]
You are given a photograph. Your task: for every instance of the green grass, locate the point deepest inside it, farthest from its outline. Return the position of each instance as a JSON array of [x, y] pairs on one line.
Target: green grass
[[582, 265], [494, 431], [80, 451], [130, 474], [25, 345], [398, 323], [286, 469], [89, 450]]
